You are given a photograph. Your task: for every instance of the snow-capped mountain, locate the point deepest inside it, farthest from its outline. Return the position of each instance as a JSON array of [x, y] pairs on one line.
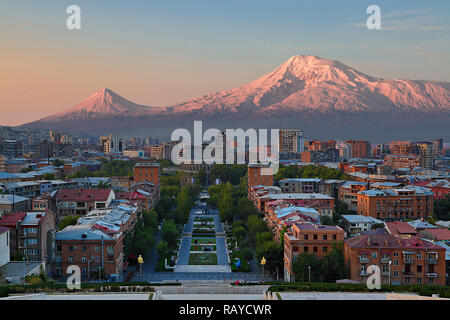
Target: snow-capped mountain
[[323, 96]]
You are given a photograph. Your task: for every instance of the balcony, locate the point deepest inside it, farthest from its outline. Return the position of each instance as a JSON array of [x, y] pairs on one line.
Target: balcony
[[408, 260], [385, 260], [363, 260], [408, 273], [385, 273], [432, 275], [364, 273], [432, 261]]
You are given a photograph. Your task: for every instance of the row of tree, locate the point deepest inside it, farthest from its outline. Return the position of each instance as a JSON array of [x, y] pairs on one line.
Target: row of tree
[[310, 171], [329, 268]]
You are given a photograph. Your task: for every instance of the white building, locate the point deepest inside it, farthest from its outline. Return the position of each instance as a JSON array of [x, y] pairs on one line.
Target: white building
[[4, 246]]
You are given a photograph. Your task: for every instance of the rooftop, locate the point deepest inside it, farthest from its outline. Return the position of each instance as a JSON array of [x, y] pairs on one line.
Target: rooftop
[[390, 241], [297, 196], [8, 199], [399, 227]]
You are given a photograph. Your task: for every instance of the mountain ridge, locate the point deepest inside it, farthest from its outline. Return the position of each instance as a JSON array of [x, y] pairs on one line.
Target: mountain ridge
[[304, 87]]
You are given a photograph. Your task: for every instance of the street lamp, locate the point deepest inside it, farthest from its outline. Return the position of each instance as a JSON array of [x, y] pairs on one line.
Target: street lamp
[[263, 263], [309, 273], [141, 262], [390, 262]]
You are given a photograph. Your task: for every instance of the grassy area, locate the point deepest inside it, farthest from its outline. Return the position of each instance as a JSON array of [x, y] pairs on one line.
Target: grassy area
[[245, 267], [203, 259]]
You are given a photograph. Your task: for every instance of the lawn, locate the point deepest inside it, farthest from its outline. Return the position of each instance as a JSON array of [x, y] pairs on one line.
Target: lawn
[[203, 259]]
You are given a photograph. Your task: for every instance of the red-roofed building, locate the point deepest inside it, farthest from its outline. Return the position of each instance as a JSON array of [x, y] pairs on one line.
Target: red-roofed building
[[309, 238], [437, 235], [80, 202], [12, 221], [401, 228], [413, 260]]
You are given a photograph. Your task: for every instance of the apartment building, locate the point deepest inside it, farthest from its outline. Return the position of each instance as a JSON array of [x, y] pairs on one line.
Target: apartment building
[[408, 161], [300, 185], [309, 238], [258, 175], [355, 224], [92, 250], [35, 235], [394, 204], [402, 260], [14, 203], [80, 202], [291, 141], [147, 172], [12, 221]]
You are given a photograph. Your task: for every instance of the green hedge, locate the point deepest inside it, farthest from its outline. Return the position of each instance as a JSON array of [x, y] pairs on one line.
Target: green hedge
[[3, 292], [348, 287]]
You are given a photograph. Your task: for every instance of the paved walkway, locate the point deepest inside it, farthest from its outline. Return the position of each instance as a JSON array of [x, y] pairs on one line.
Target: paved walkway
[[185, 248]]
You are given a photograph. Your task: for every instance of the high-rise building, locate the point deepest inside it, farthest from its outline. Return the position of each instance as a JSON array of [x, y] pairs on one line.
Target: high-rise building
[[425, 152], [360, 148], [438, 145], [111, 144], [291, 140]]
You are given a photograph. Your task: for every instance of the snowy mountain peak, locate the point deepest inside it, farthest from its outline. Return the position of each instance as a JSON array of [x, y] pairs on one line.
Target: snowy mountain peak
[[104, 102]]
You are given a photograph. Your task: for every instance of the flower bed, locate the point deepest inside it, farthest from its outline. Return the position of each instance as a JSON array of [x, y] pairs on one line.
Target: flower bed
[[203, 241]]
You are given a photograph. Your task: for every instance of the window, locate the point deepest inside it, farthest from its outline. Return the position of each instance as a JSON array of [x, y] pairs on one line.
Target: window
[[84, 248], [97, 248], [315, 249], [324, 237], [334, 237], [395, 262], [419, 268], [305, 237], [84, 270], [70, 259], [430, 280], [419, 280], [407, 280], [395, 273], [83, 259], [419, 256], [315, 237], [305, 248], [395, 254], [324, 249], [374, 255]]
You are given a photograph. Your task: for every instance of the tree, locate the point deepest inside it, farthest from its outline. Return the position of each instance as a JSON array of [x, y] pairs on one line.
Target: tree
[[184, 205], [239, 233], [247, 253], [226, 208], [273, 254], [201, 177], [301, 270], [143, 241], [326, 220], [255, 225], [245, 208], [68, 221], [170, 233], [442, 208], [48, 176], [162, 248]]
